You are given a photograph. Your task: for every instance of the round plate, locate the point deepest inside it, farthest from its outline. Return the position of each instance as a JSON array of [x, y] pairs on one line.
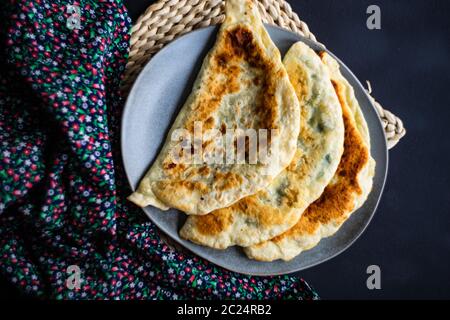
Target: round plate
[[152, 105]]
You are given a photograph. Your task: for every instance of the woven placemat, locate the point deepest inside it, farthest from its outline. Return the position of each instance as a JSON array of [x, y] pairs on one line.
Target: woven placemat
[[166, 20]]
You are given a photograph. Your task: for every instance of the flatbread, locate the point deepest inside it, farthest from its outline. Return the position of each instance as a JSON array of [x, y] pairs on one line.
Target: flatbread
[[242, 85], [276, 209], [347, 191]]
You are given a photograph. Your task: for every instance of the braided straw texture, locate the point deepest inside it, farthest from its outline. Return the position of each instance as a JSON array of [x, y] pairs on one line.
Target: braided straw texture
[[166, 20]]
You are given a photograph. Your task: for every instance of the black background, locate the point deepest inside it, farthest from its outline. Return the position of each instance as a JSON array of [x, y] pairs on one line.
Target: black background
[[407, 62]]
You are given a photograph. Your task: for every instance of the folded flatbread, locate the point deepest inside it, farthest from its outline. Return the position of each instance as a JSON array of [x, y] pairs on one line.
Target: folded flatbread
[[242, 85], [277, 208], [347, 191]]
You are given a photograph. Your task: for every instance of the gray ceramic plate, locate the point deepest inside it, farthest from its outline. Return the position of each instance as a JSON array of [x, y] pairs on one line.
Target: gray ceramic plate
[[154, 101]]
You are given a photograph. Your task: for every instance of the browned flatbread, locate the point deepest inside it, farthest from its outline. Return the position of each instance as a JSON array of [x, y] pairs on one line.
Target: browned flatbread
[[346, 192], [242, 85]]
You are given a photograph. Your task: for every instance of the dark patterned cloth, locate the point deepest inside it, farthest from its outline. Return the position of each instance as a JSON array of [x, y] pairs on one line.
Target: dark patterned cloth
[[62, 193]]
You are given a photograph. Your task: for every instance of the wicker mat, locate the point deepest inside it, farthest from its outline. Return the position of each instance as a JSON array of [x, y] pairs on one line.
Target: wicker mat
[[166, 20]]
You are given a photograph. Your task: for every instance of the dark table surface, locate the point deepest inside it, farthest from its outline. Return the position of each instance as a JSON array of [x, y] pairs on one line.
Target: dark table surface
[[408, 64]]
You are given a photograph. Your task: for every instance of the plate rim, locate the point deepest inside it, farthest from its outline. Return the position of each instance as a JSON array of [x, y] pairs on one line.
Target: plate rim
[[126, 111]]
